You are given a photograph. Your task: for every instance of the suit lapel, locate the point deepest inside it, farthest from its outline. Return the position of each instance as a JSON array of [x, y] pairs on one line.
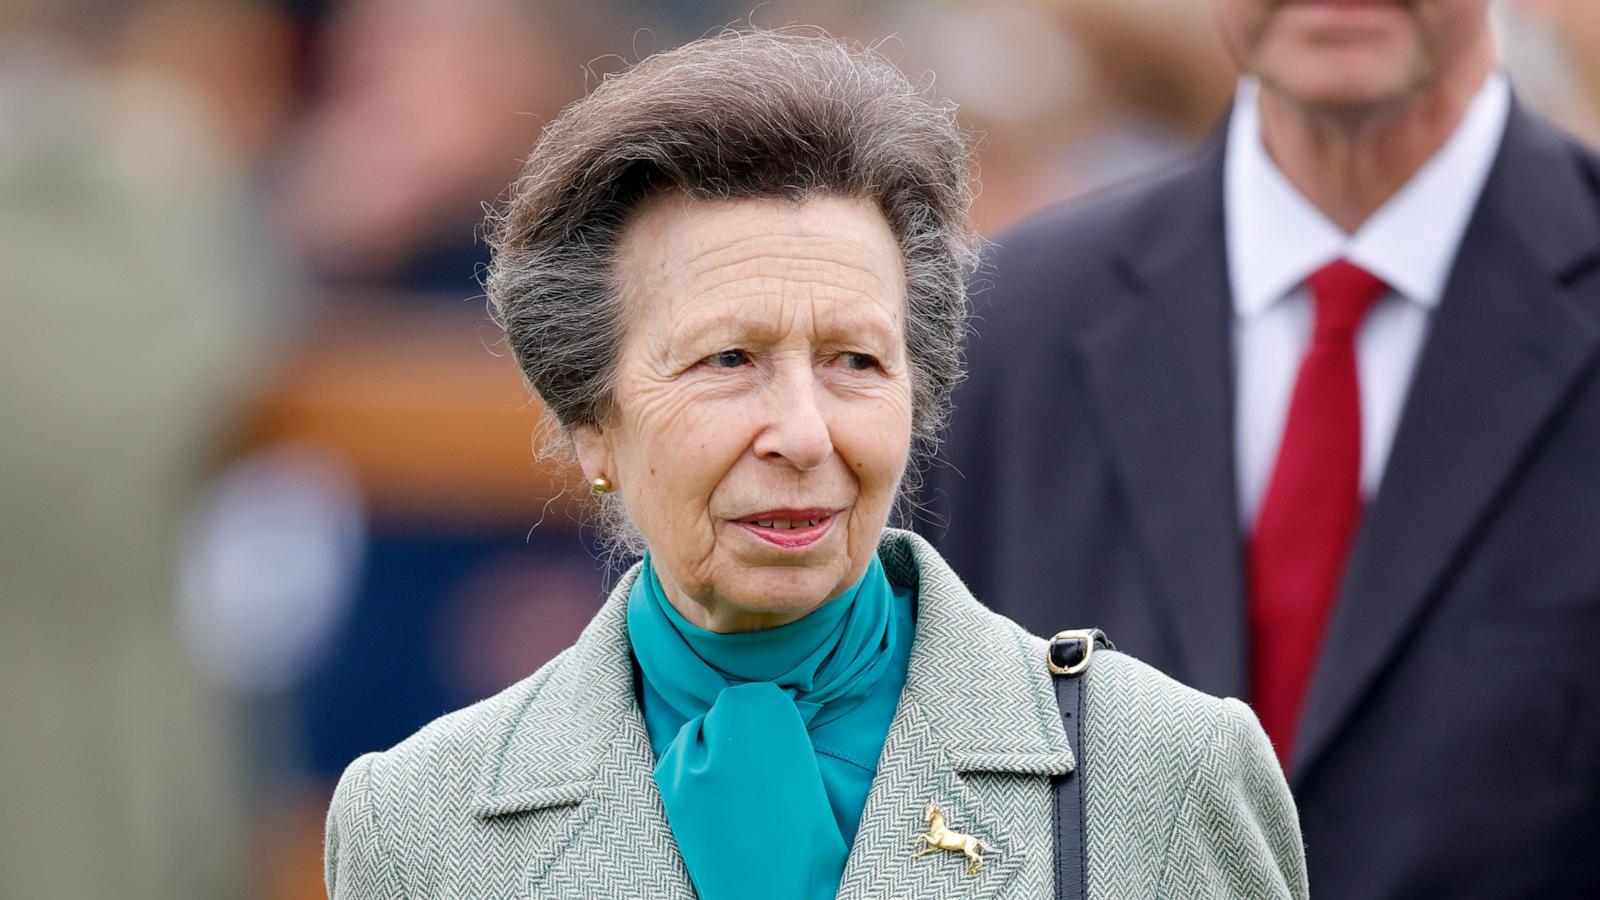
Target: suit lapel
[[1160, 376], [973, 702], [1506, 347]]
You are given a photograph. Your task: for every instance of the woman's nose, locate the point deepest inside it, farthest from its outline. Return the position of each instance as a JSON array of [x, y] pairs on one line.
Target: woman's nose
[[797, 427]]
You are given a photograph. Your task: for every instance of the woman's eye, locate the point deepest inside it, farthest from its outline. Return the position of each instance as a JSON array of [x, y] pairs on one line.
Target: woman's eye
[[860, 362], [728, 359]]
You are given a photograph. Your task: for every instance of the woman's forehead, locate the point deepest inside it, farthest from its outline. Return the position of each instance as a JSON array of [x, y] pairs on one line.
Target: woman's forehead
[[826, 259], [771, 317]]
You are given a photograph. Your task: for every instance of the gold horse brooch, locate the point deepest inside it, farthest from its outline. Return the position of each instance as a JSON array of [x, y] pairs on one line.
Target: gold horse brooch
[[940, 837]]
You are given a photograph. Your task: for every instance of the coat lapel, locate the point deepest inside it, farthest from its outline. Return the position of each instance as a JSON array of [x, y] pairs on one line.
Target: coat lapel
[[1160, 373], [584, 749], [1508, 344], [974, 702]]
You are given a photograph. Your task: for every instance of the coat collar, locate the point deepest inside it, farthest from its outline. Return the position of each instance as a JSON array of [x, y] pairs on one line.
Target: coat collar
[[1277, 237], [977, 699]]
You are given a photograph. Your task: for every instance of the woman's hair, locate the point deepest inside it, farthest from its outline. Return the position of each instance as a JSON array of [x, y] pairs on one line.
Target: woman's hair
[[747, 113]]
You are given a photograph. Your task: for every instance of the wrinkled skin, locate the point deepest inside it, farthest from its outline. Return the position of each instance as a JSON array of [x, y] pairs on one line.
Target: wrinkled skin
[[1358, 94], [764, 367]]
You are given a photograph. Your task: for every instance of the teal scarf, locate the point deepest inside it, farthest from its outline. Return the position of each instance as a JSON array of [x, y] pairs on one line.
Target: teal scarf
[[767, 741]]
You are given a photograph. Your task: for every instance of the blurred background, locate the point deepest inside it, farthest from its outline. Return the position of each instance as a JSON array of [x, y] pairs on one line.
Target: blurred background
[[269, 483]]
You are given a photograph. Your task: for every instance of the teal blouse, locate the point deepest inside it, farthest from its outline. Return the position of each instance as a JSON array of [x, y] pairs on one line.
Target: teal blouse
[[767, 741]]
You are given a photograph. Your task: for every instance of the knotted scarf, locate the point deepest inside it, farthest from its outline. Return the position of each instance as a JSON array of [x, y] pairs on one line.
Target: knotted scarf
[[766, 741]]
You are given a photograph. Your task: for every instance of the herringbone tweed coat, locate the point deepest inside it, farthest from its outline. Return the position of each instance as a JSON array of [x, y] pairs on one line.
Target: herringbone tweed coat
[[546, 789]]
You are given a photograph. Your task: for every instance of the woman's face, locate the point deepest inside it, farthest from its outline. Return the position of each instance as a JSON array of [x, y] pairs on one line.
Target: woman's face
[[762, 416]]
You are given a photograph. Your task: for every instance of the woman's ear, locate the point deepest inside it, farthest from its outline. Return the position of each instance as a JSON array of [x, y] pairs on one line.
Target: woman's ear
[[594, 454]]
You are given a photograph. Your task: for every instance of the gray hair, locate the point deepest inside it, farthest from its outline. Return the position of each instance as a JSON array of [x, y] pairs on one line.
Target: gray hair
[[747, 113]]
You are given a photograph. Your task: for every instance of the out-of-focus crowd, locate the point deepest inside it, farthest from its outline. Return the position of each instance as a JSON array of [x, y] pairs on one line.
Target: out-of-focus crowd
[[269, 490]]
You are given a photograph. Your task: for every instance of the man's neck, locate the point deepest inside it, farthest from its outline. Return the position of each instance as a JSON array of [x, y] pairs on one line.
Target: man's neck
[[1349, 163]]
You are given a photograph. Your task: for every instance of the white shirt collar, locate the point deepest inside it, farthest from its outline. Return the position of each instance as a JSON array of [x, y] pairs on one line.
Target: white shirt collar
[[1276, 237]]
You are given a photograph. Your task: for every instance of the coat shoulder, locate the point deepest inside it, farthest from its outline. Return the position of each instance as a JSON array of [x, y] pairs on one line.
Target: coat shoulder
[[1183, 792], [1141, 720], [1122, 689], [447, 753], [445, 758], [396, 812]]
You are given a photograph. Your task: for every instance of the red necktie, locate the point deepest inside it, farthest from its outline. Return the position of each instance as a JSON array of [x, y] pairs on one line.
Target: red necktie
[[1296, 555]]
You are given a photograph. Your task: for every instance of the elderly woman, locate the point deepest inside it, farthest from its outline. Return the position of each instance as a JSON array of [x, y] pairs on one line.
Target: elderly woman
[[735, 275]]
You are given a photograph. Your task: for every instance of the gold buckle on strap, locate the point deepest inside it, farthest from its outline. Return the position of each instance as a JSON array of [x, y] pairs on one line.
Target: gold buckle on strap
[[1069, 651]]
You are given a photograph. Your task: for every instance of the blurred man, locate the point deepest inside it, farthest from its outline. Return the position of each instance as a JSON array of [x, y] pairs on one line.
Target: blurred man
[[1314, 419]]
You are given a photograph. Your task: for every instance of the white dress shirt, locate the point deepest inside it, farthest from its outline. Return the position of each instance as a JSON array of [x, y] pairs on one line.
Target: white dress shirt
[[1276, 238]]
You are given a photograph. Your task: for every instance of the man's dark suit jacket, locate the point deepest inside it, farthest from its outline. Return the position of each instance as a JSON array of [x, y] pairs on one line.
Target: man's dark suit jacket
[[1450, 744]]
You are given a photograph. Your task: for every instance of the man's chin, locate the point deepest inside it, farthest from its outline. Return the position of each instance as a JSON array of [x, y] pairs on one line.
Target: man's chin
[[1344, 87]]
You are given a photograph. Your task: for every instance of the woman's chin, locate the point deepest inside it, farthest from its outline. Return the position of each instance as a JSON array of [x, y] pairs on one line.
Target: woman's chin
[[787, 590], [772, 595]]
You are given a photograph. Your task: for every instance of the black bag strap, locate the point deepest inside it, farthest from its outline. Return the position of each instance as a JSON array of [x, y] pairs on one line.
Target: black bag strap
[[1068, 657]]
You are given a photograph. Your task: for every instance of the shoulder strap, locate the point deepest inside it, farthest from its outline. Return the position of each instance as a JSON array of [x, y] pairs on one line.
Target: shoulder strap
[[1068, 658]]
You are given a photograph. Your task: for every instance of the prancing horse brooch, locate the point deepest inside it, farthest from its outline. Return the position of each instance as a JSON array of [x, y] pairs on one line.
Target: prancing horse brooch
[[940, 837]]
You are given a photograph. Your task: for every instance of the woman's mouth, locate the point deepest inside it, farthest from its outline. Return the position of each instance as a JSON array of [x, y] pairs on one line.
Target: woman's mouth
[[791, 529]]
